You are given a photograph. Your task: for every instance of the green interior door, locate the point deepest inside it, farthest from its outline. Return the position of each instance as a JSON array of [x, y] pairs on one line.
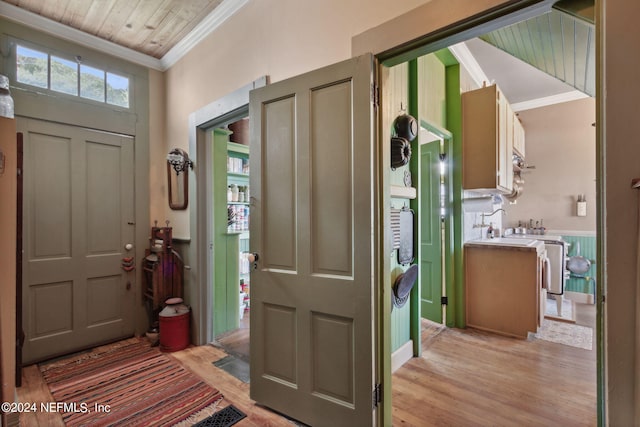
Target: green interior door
[[430, 236]]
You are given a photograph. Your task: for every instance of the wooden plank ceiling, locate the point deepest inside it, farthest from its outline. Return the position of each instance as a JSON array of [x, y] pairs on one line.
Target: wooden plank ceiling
[[151, 27], [558, 43]]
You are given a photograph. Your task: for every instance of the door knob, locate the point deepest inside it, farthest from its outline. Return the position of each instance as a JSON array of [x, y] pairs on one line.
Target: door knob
[[253, 259], [128, 246]]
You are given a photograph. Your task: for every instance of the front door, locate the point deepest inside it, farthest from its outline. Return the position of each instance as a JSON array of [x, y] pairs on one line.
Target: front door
[[78, 217], [430, 230], [313, 221]]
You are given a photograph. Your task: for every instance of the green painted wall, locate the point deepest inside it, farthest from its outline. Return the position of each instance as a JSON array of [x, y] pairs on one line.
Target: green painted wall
[[428, 80], [400, 317], [453, 252]]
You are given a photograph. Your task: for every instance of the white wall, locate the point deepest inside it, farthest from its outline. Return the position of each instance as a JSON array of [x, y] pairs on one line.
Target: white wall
[[561, 144], [278, 38]]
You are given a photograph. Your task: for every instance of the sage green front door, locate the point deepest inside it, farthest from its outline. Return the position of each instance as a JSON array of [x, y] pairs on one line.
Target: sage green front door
[[430, 231], [78, 219], [313, 222]]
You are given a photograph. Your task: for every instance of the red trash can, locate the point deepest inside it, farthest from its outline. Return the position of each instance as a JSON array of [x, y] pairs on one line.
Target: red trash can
[[174, 332]]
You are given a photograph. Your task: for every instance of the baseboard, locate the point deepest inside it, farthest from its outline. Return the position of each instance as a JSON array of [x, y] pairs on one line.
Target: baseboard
[[401, 355], [579, 297]]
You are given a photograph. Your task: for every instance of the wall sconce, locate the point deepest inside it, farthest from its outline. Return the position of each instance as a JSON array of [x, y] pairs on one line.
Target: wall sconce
[[179, 161]]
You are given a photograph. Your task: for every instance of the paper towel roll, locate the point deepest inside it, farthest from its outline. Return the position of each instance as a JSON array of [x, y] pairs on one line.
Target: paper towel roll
[[478, 204]]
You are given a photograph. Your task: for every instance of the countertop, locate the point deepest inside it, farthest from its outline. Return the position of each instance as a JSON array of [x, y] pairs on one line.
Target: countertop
[[543, 237], [512, 243]]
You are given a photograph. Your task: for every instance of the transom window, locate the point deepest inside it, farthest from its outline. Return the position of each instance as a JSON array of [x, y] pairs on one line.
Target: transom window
[[40, 69]]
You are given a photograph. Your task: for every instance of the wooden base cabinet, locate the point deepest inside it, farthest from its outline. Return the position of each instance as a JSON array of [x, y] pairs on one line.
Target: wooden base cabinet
[[504, 288]]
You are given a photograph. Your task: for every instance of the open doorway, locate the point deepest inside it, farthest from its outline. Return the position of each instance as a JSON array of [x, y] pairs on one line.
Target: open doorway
[[231, 196], [554, 129], [549, 82]]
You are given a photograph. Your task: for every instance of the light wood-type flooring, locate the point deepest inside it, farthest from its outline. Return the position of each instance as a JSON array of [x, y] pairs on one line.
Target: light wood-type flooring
[[464, 378]]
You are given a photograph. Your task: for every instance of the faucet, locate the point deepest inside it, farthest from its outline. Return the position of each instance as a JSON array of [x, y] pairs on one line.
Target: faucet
[[484, 215]]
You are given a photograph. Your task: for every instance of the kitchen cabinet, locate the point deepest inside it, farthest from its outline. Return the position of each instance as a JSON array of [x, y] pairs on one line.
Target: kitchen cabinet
[[518, 137], [488, 124], [503, 285]]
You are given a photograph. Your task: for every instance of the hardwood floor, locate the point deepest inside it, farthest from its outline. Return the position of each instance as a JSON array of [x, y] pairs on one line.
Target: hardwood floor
[[236, 342], [198, 359], [467, 377], [464, 378]]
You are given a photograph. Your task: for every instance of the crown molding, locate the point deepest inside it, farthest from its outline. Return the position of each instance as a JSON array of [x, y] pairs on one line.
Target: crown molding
[[210, 23], [464, 56], [549, 100]]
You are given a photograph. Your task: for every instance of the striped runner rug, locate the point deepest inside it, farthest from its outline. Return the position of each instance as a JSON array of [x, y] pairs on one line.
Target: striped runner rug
[[129, 384]]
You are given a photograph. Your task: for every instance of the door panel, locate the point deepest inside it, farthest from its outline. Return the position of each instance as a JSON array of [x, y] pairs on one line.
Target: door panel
[[51, 201], [280, 334], [333, 370], [312, 172], [278, 151], [44, 321], [332, 183], [430, 232], [78, 203], [103, 204]]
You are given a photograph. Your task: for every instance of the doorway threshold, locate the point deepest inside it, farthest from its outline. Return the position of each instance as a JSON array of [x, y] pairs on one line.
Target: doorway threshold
[[234, 366]]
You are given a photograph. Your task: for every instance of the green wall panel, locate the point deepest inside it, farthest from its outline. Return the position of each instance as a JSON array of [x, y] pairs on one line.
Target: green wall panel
[[586, 284]]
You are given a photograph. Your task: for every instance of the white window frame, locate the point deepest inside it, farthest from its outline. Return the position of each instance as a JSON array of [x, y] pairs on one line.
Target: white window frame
[[78, 60]]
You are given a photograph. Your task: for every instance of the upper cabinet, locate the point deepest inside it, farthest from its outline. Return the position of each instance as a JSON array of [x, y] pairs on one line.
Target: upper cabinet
[[518, 137], [488, 141]]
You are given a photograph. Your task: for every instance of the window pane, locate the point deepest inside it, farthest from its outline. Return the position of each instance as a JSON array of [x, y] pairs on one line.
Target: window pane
[[64, 76], [91, 83], [31, 67], [117, 90]]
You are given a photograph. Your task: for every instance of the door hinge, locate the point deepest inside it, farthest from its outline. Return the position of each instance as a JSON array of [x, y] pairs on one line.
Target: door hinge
[[444, 300], [375, 95], [377, 394]]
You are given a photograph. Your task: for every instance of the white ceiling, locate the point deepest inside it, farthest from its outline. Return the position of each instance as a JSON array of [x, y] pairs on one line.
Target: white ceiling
[[523, 85], [518, 80]]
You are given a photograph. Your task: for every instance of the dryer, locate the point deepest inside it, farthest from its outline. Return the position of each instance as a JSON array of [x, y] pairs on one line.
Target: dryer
[[557, 254]]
